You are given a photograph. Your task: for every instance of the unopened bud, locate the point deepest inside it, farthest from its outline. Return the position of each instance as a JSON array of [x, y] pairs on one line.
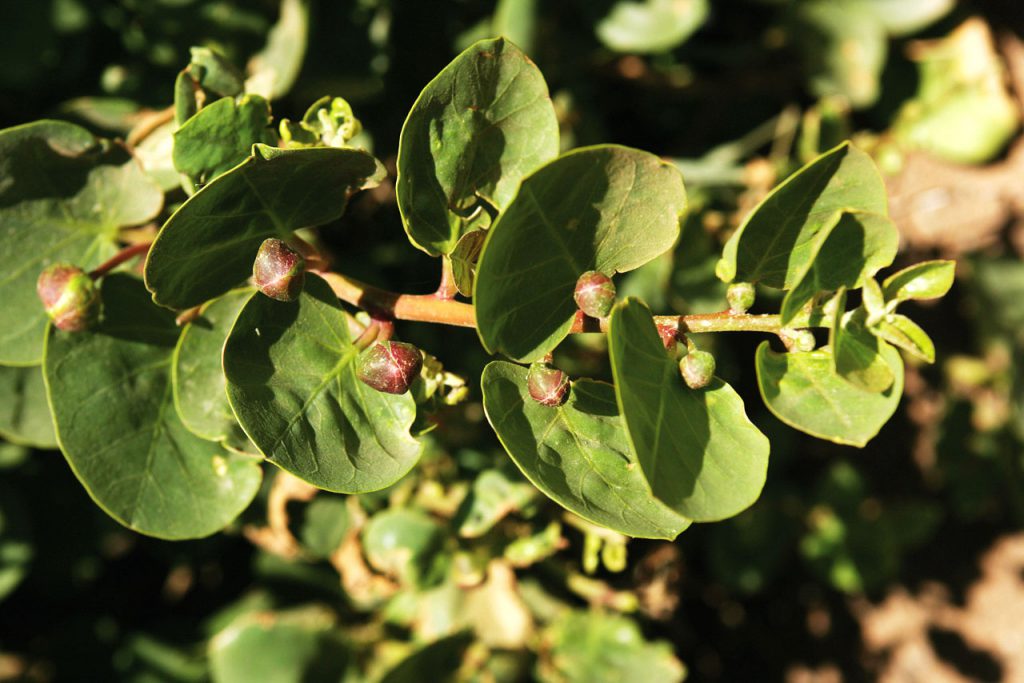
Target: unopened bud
[[547, 384], [697, 368], [389, 366], [70, 297], [595, 294], [279, 270], [740, 296], [797, 340]]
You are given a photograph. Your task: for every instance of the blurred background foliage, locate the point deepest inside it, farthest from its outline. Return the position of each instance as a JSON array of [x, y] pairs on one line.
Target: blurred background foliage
[[463, 571]]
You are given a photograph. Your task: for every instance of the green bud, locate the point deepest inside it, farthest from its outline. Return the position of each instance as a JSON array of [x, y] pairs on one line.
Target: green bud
[[278, 270], [595, 294], [389, 366], [798, 340], [697, 368], [547, 384], [70, 297], [740, 296]]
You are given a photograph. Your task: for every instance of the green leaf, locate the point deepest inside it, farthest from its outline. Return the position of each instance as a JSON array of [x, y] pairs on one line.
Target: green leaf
[[325, 521], [63, 196], [200, 389], [292, 383], [651, 25], [780, 238], [577, 454], [492, 497], [904, 17], [698, 450], [110, 392], [474, 133], [599, 647], [285, 647], [442, 658], [517, 21], [903, 332], [845, 48], [220, 136], [24, 412], [803, 390], [208, 245], [925, 280], [858, 353], [857, 247], [606, 208], [405, 544], [464, 259], [274, 68]]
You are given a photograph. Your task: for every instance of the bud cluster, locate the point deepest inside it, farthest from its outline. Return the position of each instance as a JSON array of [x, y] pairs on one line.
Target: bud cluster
[[548, 385]]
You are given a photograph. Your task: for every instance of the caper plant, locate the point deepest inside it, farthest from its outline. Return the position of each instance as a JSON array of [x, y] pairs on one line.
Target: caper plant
[[241, 345]]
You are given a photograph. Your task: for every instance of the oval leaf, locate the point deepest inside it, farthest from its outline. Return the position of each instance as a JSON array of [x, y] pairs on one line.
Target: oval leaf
[[925, 280], [699, 451], [577, 453], [63, 195], [208, 245], [475, 131], [24, 412], [903, 332], [110, 391], [652, 25], [859, 354], [292, 383], [605, 208], [220, 135], [200, 390], [803, 390], [778, 241]]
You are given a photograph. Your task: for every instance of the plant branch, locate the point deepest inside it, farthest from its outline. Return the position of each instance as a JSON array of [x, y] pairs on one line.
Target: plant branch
[[126, 254], [432, 309]]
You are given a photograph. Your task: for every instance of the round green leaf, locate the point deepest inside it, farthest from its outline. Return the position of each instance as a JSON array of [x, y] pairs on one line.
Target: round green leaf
[[200, 390], [651, 25], [858, 353], [475, 131], [925, 280], [780, 238], [804, 391], [63, 195], [292, 383], [208, 245], [219, 136], [699, 451], [24, 412], [284, 647], [577, 453], [110, 392], [606, 208]]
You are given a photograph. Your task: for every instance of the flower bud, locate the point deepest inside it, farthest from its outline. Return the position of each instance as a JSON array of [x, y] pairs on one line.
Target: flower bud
[[797, 340], [595, 294], [70, 297], [278, 270], [669, 333], [697, 368], [547, 384], [740, 296], [389, 366]]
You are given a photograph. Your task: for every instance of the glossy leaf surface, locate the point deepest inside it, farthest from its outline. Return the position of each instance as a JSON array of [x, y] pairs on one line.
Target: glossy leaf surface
[[578, 453], [925, 280], [24, 412], [292, 383], [113, 409], [780, 238], [63, 195], [208, 245], [220, 135], [475, 131], [697, 448], [605, 208]]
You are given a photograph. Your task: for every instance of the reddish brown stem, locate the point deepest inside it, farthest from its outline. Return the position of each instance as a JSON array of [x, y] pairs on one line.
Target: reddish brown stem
[[126, 254]]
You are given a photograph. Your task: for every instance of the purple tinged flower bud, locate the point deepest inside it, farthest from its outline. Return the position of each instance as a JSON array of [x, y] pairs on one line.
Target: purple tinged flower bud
[[697, 368], [389, 366], [70, 297], [279, 270], [548, 385], [740, 296], [595, 294]]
